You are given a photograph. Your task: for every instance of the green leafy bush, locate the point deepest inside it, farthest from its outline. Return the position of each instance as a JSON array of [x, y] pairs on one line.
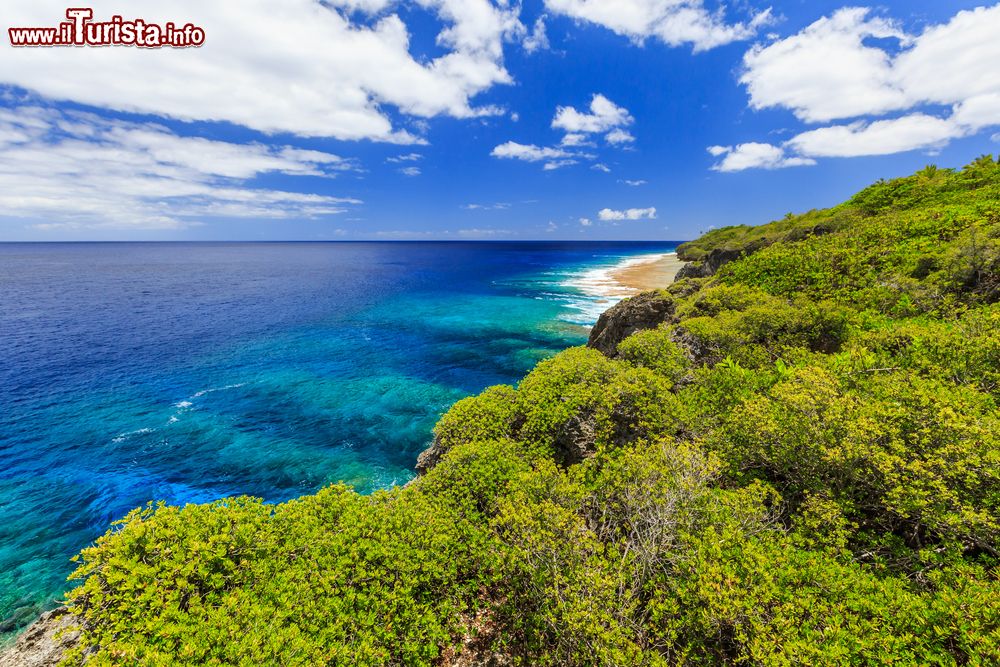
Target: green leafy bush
[[580, 401], [900, 455], [488, 416], [655, 349]]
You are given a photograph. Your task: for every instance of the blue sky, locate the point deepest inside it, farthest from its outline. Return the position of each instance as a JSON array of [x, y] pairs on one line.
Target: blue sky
[[472, 119]]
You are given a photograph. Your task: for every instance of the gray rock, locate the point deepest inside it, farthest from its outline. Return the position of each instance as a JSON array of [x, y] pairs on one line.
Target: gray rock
[[430, 456], [645, 311], [715, 260], [39, 645]]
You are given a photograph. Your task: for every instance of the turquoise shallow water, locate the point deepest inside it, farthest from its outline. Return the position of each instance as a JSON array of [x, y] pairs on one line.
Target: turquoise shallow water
[[189, 372]]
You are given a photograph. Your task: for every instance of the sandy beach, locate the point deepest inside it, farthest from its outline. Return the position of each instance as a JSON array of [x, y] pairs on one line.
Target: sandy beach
[[607, 285], [649, 275]]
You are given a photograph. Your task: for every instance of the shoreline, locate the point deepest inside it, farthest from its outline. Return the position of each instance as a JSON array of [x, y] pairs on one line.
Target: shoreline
[[649, 274], [603, 286], [628, 277]]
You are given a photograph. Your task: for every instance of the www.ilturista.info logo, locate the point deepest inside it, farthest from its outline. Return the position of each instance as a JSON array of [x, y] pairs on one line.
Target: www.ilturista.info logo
[[80, 30]]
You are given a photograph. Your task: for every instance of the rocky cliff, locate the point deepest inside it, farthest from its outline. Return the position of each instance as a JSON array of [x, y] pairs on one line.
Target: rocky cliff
[[645, 311], [44, 642]]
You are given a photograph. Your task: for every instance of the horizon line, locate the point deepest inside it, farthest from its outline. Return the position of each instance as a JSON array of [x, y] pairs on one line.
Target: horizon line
[[356, 241]]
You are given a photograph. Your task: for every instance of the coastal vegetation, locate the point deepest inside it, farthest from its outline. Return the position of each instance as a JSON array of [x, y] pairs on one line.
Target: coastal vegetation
[[797, 463]]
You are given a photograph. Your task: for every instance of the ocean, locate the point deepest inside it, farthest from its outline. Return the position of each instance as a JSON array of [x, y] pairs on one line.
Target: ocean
[[186, 372]]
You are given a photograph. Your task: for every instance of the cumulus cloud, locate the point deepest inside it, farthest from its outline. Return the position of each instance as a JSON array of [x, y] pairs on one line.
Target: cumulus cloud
[[528, 152], [331, 70], [76, 170], [619, 137], [558, 164], [536, 40], [408, 157], [882, 137], [410, 171], [628, 214], [600, 166], [830, 71], [604, 115], [586, 222], [826, 71], [754, 155], [574, 139], [673, 22]]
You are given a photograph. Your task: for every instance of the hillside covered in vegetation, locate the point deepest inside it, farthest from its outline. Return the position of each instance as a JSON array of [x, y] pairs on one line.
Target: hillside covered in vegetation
[[796, 460]]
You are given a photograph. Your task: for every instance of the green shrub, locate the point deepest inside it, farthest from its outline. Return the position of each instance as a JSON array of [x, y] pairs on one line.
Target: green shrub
[[580, 402], [759, 334], [654, 349], [473, 477], [899, 454], [761, 600], [330, 578], [488, 416]]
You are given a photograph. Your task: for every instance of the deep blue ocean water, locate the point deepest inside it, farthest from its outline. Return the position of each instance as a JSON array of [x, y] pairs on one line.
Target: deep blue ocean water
[[187, 372]]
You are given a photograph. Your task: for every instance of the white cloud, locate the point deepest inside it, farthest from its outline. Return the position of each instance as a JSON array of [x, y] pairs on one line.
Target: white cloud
[[76, 170], [499, 206], [826, 71], [536, 40], [977, 112], [995, 138], [635, 183], [604, 115], [627, 214], [586, 222], [600, 166], [365, 6], [674, 22], [882, 137], [831, 71], [408, 157], [860, 138], [955, 61], [754, 156], [575, 139], [619, 137], [528, 152], [326, 73], [558, 164], [410, 171]]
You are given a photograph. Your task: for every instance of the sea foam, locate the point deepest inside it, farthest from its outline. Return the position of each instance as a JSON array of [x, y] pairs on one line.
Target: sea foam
[[597, 289]]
